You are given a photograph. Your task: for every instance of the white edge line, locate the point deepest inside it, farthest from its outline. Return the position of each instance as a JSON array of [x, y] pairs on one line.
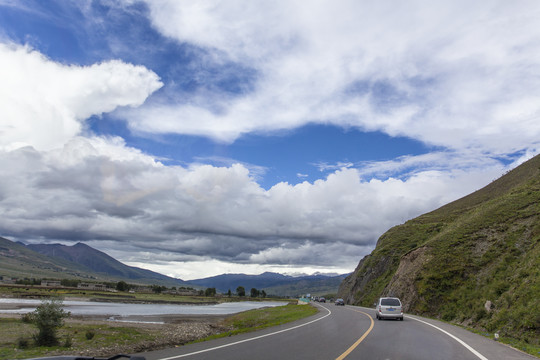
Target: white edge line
[[246, 340], [480, 356]]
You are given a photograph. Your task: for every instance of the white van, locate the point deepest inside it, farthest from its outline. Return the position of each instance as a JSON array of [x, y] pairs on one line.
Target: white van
[[389, 308]]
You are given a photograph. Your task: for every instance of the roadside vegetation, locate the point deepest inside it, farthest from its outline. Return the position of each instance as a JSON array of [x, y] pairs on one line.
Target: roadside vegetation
[[17, 335], [262, 318], [17, 338]]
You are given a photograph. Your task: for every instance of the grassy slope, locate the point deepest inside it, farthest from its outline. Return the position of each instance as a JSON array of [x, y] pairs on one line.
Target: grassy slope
[[18, 261], [21, 262], [482, 247]]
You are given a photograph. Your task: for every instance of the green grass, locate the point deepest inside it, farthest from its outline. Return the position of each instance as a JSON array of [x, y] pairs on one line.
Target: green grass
[[523, 345], [263, 318], [11, 330]]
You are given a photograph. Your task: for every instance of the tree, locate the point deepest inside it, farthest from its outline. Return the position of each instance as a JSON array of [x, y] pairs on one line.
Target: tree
[[69, 282], [254, 293], [122, 286], [263, 294], [229, 293], [210, 292], [48, 318], [240, 291], [158, 289]]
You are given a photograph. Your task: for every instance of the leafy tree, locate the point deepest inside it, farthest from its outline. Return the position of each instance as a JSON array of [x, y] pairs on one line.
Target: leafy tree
[[48, 318], [27, 281], [158, 289], [254, 293], [210, 292], [122, 286], [229, 293], [240, 291], [263, 294], [69, 282]]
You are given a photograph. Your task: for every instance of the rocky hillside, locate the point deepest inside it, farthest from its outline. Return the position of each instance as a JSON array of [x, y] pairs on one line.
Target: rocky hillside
[[475, 261]]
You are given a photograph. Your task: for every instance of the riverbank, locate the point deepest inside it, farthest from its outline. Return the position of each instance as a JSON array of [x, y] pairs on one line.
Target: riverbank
[[109, 337], [124, 335]]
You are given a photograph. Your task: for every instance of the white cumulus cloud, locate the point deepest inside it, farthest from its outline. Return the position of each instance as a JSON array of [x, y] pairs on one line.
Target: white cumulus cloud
[[44, 103], [457, 75]]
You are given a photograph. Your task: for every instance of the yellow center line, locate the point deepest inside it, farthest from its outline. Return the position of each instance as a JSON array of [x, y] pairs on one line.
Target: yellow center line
[[349, 350]]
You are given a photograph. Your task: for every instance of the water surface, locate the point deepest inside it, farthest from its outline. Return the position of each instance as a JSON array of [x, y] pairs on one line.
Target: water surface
[[21, 306]]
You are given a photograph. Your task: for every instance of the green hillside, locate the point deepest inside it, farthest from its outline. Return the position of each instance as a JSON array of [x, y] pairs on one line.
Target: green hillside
[[475, 261], [18, 261], [80, 262]]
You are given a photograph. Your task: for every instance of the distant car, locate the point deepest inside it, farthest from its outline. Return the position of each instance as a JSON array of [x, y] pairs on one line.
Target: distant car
[[340, 302], [322, 300], [389, 308]]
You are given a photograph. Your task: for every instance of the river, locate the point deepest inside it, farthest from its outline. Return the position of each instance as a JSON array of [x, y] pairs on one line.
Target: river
[[91, 308]]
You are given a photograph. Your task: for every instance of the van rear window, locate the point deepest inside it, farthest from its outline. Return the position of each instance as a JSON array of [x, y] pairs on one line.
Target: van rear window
[[390, 302]]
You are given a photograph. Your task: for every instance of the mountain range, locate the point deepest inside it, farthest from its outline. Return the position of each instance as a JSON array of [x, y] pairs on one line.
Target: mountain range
[[475, 261], [274, 283], [82, 262], [79, 261]]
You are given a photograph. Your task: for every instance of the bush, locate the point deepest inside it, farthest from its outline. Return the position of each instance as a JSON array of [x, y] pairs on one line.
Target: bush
[[27, 318], [480, 314], [48, 318], [68, 343], [90, 334], [23, 343]]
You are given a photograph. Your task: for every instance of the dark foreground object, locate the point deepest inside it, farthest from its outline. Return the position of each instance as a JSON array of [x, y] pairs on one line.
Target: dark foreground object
[[115, 357]]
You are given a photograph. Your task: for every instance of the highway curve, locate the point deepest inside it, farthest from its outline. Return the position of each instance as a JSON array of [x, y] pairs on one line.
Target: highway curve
[[349, 332]]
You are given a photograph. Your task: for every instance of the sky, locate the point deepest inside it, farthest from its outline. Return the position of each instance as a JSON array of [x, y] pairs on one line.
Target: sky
[[195, 138]]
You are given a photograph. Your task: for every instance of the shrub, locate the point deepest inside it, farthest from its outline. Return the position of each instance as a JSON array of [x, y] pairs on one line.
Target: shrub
[[68, 343], [23, 343], [480, 314], [90, 334], [27, 318], [48, 317]]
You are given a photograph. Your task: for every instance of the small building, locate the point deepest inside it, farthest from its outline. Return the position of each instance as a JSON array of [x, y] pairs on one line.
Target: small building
[[92, 286], [143, 290], [50, 283]]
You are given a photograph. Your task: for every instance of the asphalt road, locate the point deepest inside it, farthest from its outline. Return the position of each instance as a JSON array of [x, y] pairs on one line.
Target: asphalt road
[[349, 332]]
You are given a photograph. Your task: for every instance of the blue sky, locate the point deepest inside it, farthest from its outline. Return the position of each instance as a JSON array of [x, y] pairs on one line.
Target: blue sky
[[200, 138], [289, 155]]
